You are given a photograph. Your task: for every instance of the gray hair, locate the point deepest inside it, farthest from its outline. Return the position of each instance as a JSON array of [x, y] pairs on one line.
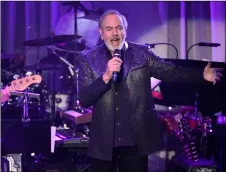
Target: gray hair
[[108, 12]]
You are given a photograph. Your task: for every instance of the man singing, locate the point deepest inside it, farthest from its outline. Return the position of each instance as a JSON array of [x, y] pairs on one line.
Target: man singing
[[125, 128]]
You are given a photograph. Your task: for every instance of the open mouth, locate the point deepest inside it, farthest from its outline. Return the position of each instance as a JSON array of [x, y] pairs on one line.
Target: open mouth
[[115, 41]]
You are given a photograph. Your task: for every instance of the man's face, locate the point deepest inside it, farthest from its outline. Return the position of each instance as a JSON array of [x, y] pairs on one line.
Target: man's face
[[113, 32]]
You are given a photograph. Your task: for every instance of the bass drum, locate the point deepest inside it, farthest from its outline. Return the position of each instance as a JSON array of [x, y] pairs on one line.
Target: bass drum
[[62, 102]]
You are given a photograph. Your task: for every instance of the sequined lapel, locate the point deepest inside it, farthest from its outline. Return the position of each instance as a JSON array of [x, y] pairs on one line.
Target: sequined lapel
[[128, 56], [99, 61]]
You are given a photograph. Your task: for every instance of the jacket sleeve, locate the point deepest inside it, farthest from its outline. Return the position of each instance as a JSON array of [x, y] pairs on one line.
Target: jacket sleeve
[[90, 89], [170, 72]]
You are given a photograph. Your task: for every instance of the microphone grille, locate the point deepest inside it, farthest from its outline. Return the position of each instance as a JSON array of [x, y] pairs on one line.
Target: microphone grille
[[117, 52]]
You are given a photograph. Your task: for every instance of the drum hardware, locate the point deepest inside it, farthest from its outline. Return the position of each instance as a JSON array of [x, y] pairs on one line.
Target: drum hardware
[[78, 115], [29, 94], [75, 6], [7, 73], [54, 100], [11, 56], [43, 66], [74, 73], [25, 117], [69, 47]]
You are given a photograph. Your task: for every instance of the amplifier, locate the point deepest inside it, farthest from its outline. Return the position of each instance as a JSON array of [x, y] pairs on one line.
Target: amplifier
[[183, 164]]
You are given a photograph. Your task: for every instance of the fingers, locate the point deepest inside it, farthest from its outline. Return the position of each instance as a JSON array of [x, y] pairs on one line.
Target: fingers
[[116, 59], [115, 64], [219, 74], [217, 78], [116, 68], [209, 64]]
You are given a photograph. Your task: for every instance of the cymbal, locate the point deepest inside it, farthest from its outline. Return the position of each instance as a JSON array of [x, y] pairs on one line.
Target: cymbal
[[45, 66], [51, 40], [69, 47], [6, 72]]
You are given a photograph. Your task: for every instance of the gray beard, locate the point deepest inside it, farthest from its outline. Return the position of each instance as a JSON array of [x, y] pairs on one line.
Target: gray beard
[[112, 49]]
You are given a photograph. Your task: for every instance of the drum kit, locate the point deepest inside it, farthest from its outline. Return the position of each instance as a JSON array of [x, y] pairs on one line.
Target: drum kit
[[59, 94], [38, 94]]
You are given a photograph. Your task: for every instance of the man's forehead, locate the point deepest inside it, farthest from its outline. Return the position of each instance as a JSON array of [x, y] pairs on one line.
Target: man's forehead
[[109, 19]]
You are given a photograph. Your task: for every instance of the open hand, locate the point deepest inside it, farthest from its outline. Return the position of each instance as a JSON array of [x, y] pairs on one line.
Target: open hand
[[212, 74]]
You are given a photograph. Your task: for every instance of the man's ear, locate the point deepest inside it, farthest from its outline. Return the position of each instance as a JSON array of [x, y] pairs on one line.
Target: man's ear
[[101, 33]]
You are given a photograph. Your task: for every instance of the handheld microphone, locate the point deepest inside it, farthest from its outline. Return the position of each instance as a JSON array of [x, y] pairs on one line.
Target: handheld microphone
[[117, 53]]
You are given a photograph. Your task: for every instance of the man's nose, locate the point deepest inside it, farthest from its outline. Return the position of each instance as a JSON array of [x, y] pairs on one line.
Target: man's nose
[[115, 31]]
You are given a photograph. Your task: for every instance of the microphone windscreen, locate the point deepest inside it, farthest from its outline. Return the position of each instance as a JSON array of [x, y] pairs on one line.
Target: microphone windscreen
[[117, 53]]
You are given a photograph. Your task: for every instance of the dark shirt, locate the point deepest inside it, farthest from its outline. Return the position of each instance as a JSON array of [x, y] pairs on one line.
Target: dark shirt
[[123, 135]]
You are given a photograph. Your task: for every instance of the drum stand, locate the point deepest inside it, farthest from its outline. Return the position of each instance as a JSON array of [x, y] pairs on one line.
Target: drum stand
[[25, 117], [75, 77]]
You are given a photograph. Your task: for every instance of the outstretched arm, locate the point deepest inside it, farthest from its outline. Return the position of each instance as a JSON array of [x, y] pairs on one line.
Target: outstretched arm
[[170, 72]]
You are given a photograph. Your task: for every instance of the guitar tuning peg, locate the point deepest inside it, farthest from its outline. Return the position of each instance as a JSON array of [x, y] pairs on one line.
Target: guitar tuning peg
[[28, 73], [16, 77]]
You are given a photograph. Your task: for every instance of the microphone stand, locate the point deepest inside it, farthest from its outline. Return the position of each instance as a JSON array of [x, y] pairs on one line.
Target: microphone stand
[[164, 43], [202, 44]]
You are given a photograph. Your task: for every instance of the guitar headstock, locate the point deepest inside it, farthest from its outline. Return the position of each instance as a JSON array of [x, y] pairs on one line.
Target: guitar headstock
[[23, 83]]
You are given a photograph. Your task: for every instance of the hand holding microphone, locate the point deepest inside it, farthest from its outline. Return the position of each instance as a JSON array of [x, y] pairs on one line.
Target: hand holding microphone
[[113, 67]]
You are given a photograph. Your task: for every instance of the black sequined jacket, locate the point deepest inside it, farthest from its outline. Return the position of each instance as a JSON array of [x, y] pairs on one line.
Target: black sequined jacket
[[138, 68]]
